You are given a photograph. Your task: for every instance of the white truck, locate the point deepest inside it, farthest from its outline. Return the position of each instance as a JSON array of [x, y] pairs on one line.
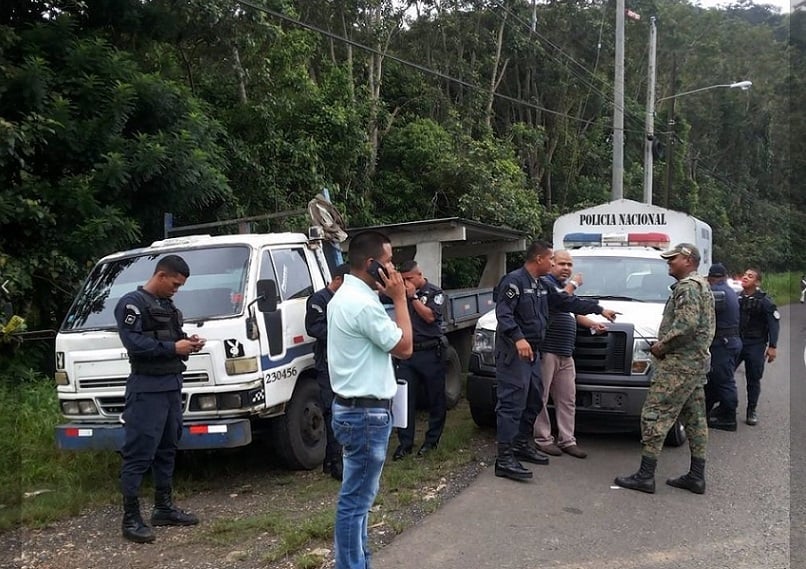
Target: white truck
[[246, 295], [616, 246]]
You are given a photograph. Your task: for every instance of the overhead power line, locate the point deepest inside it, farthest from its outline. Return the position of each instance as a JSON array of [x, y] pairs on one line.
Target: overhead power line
[[405, 62]]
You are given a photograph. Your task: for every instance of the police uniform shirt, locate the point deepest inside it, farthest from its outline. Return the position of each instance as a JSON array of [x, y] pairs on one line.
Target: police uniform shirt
[[759, 318], [433, 297], [727, 311], [129, 313], [522, 306], [316, 325]]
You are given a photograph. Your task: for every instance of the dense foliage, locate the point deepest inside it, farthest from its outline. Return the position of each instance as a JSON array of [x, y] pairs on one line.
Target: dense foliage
[[113, 112]]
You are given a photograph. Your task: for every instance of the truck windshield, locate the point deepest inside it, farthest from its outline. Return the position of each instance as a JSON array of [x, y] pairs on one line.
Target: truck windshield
[[645, 280], [215, 287]]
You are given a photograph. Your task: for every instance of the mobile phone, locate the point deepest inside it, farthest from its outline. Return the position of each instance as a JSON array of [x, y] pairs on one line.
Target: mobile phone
[[375, 269]]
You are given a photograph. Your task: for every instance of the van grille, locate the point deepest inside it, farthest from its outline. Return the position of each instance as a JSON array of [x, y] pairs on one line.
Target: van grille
[[601, 353]]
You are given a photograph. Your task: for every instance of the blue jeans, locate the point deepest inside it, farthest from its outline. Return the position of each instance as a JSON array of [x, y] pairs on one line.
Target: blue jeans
[[364, 436]]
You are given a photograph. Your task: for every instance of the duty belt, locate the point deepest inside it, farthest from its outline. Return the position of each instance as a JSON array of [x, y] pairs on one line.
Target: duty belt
[[427, 345], [727, 332]]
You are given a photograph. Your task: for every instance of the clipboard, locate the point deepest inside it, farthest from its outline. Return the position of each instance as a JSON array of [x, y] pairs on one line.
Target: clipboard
[[400, 405]]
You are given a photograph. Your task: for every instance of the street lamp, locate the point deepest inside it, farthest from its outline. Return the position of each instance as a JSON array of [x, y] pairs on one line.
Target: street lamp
[[650, 110]]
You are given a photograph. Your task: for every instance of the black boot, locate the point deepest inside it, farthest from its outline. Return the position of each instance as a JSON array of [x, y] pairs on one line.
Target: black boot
[[333, 465], [694, 480], [724, 421], [134, 528], [507, 466], [526, 450], [752, 416], [643, 480], [166, 514]]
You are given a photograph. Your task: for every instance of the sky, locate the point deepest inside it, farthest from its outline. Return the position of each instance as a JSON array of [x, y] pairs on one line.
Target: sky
[[784, 5]]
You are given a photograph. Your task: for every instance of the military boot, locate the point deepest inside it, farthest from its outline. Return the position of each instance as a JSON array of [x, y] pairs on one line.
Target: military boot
[[526, 450], [165, 513], [134, 528], [643, 480], [694, 480], [752, 416], [507, 466]]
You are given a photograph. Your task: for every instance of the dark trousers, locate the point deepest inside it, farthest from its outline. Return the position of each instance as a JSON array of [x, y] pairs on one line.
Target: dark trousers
[[332, 448], [721, 386], [520, 395], [153, 426], [752, 355], [424, 368]]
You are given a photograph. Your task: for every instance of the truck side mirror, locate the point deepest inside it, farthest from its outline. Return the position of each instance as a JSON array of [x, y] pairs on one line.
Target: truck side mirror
[[266, 295]]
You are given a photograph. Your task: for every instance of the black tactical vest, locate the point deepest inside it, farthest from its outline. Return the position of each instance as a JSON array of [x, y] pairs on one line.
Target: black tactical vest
[[163, 323], [753, 319]]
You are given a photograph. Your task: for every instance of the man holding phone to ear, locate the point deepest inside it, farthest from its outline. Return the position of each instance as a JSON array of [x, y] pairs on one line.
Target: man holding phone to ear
[[361, 340]]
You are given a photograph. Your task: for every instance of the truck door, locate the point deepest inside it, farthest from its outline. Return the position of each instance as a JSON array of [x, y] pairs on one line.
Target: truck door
[[284, 334]]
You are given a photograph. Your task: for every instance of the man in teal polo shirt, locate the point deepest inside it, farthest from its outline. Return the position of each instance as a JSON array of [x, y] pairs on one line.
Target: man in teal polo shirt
[[361, 340]]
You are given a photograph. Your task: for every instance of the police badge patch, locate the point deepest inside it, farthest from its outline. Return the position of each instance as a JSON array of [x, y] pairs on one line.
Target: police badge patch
[[132, 313], [776, 315], [439, 299]]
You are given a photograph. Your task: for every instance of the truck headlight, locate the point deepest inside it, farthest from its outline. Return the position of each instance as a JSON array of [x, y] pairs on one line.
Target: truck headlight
[[87, 407], [70, 408], [207, 402], [484, 345], [641, 357]]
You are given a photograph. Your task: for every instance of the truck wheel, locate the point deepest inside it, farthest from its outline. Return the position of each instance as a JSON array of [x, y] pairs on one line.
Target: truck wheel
[[484, 418], [300, 434], [453, 379], [677, 435]]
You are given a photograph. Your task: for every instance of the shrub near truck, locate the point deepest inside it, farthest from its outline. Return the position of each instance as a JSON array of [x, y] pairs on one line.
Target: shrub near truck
[[616, 246]]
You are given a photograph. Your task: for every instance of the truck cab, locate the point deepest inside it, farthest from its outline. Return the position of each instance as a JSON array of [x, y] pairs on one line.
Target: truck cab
[[617, 249], [254, 372]]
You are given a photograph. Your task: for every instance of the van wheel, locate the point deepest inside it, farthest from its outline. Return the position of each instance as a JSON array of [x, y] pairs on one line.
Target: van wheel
[[677, 435], [300, 433], [453, 378]]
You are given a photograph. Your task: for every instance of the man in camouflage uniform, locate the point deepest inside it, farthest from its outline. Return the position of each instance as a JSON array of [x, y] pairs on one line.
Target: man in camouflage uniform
[[681, 363]]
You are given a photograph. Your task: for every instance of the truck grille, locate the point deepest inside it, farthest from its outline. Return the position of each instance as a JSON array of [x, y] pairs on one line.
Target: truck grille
[[601, 353], [114, 405], [194, 378]]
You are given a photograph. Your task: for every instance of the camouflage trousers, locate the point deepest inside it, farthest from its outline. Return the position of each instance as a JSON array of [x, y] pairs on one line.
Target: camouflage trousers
[[672, 395]]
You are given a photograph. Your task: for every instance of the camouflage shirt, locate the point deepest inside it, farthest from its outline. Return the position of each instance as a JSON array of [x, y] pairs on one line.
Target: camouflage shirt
[[687, 328]]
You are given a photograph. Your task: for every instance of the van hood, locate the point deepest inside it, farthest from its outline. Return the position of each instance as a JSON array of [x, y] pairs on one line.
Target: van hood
[[644, 316]]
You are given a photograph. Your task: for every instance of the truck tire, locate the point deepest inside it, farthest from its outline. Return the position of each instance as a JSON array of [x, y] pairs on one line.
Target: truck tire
[[483, 417], [453, 378], [300, 434], [677, 435]]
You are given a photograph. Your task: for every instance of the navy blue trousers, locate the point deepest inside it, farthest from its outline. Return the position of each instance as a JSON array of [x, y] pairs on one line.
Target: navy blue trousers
[[153, 426]]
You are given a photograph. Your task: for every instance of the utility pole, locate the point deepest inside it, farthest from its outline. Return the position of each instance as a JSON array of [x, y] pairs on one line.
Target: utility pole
[[650, 112], [618, 110], [670, 142]]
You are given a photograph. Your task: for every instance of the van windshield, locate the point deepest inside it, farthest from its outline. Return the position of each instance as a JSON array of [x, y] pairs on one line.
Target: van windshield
[[215, 287], [645, 280]]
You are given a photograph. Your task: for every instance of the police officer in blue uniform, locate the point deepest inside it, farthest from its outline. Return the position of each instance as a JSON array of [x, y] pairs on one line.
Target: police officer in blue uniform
[[426, 367], [150, 327], [725, 349], [759, 324], [523, 299], [316, 327]]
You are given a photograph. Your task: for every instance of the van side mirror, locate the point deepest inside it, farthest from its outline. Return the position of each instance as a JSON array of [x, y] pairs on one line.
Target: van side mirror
[[266, 295]]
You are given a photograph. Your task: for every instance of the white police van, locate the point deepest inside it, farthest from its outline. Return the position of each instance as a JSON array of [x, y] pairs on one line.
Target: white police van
[[616, 246]]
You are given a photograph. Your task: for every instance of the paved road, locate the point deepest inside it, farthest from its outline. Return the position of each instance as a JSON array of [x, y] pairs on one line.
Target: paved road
[[571, 517]]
